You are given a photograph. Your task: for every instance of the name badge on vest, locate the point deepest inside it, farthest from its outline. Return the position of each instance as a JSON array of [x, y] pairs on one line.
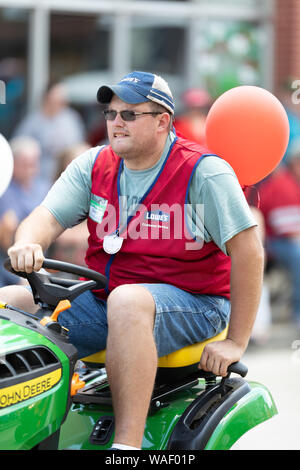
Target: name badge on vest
[[112, 243]]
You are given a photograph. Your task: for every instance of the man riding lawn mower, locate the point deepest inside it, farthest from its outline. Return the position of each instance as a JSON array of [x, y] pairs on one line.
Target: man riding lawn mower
[[170, 310]]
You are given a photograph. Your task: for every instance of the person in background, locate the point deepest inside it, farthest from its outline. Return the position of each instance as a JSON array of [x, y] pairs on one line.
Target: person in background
[[23, 194], [191, 123], [280, 205], [263, 321], [56, 126], [72, 244], [288, 95]]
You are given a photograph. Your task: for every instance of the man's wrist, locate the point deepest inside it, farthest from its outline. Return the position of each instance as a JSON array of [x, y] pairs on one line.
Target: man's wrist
[[242, 344]]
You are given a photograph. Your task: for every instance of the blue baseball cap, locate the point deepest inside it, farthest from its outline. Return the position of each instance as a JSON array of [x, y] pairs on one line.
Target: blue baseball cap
[[139, 87]]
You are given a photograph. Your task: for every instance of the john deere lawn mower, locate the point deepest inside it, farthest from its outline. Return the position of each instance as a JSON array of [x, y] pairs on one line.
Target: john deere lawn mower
[[47, 402]]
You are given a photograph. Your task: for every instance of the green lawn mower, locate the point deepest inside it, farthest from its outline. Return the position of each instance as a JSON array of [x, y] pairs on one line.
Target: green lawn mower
[[49, 401]]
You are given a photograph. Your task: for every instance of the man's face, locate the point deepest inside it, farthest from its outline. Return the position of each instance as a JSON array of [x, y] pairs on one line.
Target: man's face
[[131, 139], [26, 166]]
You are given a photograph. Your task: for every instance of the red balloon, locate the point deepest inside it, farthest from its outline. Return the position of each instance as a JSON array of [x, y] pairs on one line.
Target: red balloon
[[249, 128]]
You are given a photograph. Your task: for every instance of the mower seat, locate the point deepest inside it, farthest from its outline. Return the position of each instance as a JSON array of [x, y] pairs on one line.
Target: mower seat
[[187, 356]]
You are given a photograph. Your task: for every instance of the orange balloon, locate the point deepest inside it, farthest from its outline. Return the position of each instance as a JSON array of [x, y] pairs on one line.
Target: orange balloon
[[249, 128]]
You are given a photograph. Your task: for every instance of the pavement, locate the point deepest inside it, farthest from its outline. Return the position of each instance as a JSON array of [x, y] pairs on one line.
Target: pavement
[[276, 364]]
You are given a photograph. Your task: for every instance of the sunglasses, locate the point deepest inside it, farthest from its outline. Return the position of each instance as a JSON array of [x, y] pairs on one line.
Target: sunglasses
[[126, 115]]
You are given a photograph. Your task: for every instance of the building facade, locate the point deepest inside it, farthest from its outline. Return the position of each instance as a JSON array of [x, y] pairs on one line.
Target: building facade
[[214, 44]]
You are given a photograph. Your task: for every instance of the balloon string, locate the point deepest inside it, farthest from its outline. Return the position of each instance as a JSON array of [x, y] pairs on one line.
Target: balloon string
[[245, 187]]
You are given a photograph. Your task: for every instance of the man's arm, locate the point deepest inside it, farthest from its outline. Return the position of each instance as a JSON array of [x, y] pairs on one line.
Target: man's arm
[[247, 266], [33, 236]]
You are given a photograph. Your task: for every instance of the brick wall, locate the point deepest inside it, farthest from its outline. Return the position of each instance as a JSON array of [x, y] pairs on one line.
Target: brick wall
[[287, 41]]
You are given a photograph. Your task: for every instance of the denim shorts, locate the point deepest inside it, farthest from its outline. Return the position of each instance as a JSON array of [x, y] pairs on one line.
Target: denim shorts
[[181, 319]]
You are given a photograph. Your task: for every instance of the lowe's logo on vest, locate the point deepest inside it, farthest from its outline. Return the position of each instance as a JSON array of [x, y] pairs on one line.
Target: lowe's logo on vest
[[158, 216]]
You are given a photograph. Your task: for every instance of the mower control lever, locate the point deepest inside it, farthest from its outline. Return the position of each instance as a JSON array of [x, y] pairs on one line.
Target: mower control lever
[[238, 368], [51, 291]]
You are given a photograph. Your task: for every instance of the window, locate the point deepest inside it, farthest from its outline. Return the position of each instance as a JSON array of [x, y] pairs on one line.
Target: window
[[13, 66], [80, 57], [158, 46], [79, 43]]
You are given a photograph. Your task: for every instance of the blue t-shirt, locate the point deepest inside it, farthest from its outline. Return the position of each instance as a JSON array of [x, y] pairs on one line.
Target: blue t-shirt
[[22, 201]]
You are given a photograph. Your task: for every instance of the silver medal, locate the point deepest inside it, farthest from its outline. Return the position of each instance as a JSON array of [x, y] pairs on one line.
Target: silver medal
[[112, 243]]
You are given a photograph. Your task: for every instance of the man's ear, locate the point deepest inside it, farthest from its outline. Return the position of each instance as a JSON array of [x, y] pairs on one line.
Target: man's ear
[[164, 122]]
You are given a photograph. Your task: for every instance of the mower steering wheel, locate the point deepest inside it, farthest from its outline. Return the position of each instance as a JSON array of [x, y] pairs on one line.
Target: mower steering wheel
[[50, 289]]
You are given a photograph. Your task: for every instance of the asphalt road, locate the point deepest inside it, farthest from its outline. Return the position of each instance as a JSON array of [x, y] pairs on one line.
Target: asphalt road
[[276, 365]]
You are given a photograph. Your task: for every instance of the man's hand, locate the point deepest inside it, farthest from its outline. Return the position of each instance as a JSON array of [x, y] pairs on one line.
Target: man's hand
[[247, 266], [33, 237], [26, 257], [218, 355]]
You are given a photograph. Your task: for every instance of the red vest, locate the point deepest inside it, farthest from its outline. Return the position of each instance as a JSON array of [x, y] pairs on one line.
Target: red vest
[[280, 203], [157, 246]]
